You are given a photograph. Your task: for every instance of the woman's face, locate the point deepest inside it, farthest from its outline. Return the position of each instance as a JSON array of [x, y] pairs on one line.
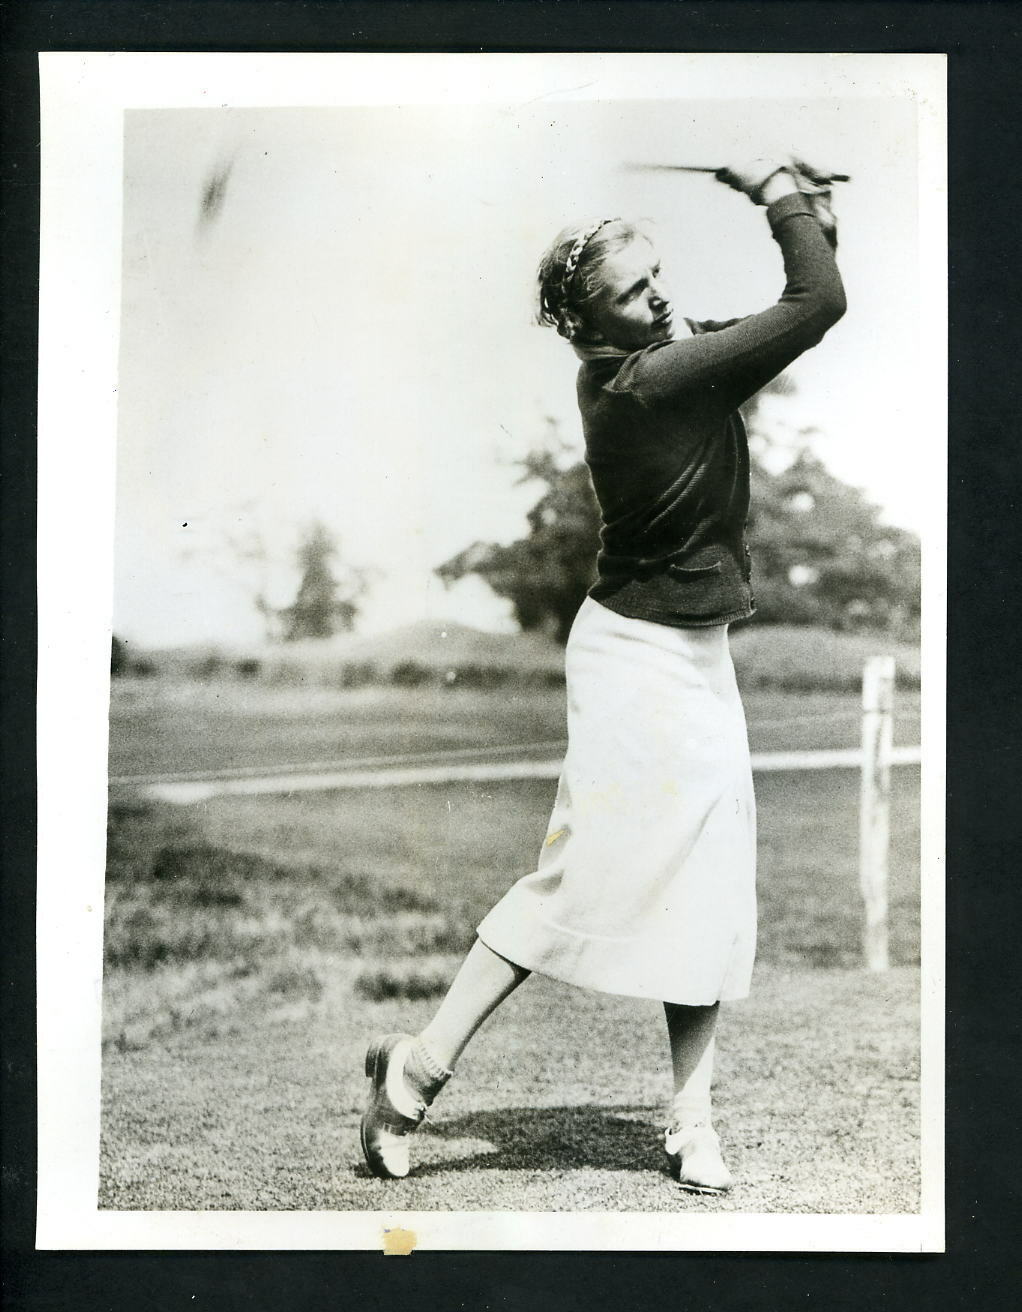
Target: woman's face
[[632, 309]]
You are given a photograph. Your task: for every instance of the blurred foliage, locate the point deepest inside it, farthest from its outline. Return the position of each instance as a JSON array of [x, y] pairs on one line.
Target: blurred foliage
[[546, 574], [823, 557], [328, 594], [821, 554], [404, 979], [324, 605]]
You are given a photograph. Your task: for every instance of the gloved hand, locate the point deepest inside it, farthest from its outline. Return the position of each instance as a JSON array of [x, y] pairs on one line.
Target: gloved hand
[[812, 180], [750, 176], [815, 185], [813, 173]]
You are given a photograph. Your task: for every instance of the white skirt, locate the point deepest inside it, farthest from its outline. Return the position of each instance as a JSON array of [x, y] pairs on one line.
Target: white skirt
[[646, 882]]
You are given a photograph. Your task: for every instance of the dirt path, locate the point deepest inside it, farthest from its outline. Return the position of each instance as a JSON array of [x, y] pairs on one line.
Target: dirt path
[[556, 1106]]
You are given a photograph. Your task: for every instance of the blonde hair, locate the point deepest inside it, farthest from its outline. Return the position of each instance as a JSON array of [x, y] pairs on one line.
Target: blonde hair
[[569, 272]]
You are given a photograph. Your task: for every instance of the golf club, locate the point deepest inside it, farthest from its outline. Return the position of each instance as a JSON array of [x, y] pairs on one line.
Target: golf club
[[710, 168]]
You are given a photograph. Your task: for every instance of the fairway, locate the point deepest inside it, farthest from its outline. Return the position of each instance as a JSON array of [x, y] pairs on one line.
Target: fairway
[[255, 944], [557, 1105], [203, 728], [463, 844]]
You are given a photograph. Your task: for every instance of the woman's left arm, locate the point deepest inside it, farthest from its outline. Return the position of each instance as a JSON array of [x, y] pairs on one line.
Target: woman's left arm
[[733, 363]]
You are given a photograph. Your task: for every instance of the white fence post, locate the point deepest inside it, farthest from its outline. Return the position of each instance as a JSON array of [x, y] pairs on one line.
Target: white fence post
[[875, 805]]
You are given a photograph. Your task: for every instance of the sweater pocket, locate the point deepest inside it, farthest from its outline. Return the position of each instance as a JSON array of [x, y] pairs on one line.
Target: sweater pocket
[[677, 594], [694, 572]]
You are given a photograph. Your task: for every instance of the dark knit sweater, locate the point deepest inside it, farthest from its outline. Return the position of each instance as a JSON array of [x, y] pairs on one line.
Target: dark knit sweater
[[668, 452]]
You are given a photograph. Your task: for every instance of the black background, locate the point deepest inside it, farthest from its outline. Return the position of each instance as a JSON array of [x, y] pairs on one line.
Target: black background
[[984, 810]]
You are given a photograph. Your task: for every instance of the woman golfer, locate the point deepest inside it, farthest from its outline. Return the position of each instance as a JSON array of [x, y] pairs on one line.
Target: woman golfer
[[646, 881]]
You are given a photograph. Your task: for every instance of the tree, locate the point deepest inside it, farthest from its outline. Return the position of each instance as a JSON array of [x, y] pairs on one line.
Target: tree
[[236, 545], [324, 605], [546, 574], [821, 554]]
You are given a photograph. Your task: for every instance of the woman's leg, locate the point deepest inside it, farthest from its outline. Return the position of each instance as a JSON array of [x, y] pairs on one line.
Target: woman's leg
[[407, 1073], [480, 986], [691, 1142], [691, 1031]]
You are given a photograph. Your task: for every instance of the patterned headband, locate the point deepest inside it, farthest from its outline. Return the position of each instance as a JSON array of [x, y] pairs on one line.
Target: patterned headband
[[575, 254]]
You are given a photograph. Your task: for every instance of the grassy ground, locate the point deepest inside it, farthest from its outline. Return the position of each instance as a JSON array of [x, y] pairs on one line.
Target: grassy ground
[[556, 1106], [161, 727], [255, 944], [243, 938]]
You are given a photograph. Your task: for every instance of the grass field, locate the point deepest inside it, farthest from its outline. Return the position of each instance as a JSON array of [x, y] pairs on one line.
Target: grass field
[[253, 945], [163, 728], [817, 1105]]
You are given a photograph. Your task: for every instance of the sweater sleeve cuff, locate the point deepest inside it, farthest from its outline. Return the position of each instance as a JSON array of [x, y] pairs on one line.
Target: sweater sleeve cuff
[[785, 206]]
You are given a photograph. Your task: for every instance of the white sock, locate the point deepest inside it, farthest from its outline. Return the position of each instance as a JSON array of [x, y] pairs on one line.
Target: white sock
[[690, 1110], [429, 1061]]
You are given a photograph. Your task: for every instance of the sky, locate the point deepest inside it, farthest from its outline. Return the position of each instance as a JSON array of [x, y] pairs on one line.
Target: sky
[[349, 338]]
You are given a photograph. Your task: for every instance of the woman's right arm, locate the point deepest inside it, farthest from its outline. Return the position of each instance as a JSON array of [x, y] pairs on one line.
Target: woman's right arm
[[733, 364]]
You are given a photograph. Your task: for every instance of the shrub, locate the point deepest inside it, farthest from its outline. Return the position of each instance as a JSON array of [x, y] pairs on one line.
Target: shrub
[[202, 875], [358, 674], [486, 678], [410, 674], [147, 937], [295, 983], [208, 666], [407, 934], [204, 863], [358, 894], [471, 675], [403, 979]]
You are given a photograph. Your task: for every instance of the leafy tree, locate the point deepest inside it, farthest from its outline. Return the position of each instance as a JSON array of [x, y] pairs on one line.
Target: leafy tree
[[546, 574], [328, 595], [324, 605], [821, 554]]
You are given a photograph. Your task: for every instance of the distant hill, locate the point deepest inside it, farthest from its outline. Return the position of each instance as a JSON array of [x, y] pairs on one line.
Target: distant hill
[[438, 645], [434, 646]]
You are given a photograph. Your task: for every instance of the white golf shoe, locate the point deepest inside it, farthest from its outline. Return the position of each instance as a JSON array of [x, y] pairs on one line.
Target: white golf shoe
[[696, 1163]]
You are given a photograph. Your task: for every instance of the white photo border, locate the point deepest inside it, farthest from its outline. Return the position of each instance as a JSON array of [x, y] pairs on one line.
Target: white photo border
[[83, 100]]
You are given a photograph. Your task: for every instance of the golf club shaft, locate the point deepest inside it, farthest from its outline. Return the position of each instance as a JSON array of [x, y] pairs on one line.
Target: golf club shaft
[[709, 168]]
